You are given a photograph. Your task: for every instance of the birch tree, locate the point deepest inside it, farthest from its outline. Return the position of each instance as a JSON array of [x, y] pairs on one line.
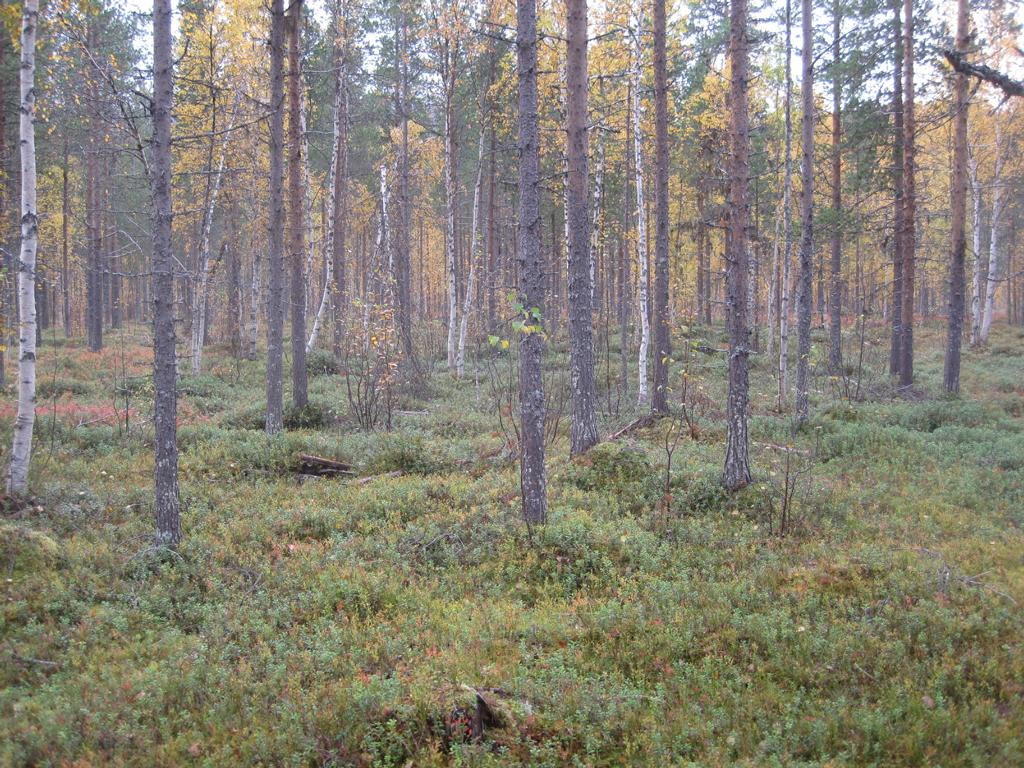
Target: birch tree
[[24, 422], [643, 305]]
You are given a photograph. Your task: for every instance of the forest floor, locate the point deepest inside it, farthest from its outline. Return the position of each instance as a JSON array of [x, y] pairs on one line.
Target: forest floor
[[350, 622]]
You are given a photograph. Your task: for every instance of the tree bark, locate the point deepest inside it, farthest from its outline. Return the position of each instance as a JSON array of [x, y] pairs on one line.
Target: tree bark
[[296, 211], [275, 278], [583, 424], [909, 200], [24, 422], [835, 296], [958, 213], [662, 334], [899, 212], [165, 409], [643, 307], [994, 240], [804, 305], [475, 246], [533, 477], [737, 463], [979, 262], [65, 273]]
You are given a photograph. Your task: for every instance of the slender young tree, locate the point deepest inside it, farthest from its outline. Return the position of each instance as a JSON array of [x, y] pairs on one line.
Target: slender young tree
[[909, 240], [899, 213], [339, 206], [804, 288], [835, 294], [533, 476], [662, 336], [787, 218], [165, 405], [275, 225], [995, 243], [21, 451], [296, 211], [338, 149], [643, 305], [958, 212], [737, 463], [583, 428]]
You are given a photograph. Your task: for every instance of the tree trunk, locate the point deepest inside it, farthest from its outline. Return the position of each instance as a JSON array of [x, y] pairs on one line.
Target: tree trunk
[[804, 305], [835, 296], [533, 476], [899, 210], [165, 408], [909, 200], [296, 211], [979, 262], [275, 278], [94, 284], [21, 451], [337, 151], [662, 334], [450, 201], [583, 426], [958, 212], [994, 241], [65, 273], [402, 220], [203, 264], [339, 208], [737, 463], [643, 308], [474, 255]]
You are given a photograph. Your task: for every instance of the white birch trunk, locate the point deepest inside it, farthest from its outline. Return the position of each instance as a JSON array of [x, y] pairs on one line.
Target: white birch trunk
[[643, 394], [994, 244], [336, 149], [474, 250], [254, 306], [378, 251], [595, 227], [203, 265], [24, 423], [976, 239], [449, 245]]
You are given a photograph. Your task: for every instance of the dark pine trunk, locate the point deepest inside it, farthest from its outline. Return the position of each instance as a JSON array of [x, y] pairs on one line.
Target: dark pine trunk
[[958, 211], [662, 335], [275, 224], [531, 271], [168, 525], [737, 463], [583, 427]]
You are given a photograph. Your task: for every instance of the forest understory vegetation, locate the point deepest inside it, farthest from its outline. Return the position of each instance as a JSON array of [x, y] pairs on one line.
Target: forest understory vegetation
[[859, 603]]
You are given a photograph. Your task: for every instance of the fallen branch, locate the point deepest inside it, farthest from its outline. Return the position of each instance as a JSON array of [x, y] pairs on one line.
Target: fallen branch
[[639, 423], [371, 478], [322, 467]]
